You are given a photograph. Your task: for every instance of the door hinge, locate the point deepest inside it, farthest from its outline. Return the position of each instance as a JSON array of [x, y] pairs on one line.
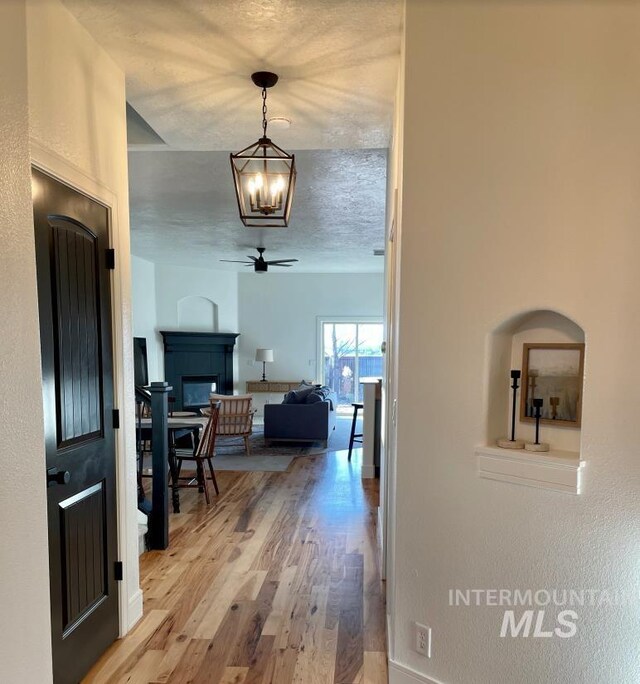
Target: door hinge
[[111, 259], [117, 571], [116, 419]]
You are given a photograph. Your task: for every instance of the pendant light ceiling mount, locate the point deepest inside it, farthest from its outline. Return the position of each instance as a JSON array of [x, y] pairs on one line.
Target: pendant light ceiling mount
[[264, 79], [264, 174]]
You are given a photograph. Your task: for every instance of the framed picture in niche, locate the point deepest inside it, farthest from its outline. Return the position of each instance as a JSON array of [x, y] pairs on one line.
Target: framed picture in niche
[[553, 373]]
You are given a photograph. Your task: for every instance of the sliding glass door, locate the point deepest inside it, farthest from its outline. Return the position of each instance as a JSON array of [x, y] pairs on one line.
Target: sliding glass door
[[350, 350]]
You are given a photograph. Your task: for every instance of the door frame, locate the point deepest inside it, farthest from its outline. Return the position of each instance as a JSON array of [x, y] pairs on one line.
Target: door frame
[[129, 593]]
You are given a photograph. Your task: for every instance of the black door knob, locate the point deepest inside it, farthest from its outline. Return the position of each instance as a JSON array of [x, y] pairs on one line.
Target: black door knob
[[55, 476]]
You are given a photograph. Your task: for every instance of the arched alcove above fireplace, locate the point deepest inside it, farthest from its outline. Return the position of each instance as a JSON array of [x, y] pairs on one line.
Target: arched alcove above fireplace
[[197, 314]]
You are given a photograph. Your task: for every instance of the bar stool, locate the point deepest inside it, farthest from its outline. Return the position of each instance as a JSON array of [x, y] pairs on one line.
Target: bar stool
[[355, 437]]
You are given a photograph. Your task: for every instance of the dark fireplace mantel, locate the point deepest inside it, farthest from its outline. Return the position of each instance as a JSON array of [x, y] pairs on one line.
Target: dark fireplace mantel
[[191, 355]]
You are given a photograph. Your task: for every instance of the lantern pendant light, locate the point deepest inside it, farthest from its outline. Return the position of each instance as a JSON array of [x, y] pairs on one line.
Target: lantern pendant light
[[264, 174]]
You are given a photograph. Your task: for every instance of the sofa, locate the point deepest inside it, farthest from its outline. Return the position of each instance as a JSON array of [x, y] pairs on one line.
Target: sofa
[[307, 414]]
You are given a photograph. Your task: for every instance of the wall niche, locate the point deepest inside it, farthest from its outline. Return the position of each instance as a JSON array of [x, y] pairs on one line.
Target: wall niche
[[557, 469], [197, 314]]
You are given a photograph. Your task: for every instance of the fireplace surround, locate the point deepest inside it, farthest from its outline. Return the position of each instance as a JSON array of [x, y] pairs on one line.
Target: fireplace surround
[[194, 362]]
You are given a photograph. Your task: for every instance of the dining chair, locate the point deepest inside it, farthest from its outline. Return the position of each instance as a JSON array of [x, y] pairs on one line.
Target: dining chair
[[203, 454], [236, 418]]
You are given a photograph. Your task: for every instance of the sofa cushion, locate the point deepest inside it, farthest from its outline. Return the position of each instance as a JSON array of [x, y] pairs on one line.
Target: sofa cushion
[[313, 398], [297, 396], [317, 394]]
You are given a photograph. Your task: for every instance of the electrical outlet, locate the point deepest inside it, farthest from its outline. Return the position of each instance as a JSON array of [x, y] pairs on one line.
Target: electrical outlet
[[423, 639]]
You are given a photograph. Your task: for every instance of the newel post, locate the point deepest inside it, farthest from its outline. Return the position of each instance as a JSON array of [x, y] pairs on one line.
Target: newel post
[[159, 518]]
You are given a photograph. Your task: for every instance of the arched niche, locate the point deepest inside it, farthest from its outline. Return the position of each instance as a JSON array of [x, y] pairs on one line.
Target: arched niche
[[197, 314], [505, 352]]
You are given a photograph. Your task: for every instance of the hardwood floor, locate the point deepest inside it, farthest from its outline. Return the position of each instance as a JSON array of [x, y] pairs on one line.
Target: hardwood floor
[[274, 583]]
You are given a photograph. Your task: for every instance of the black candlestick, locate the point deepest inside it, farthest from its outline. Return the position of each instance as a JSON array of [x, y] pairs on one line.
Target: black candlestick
[[537, 405], [515, 375]]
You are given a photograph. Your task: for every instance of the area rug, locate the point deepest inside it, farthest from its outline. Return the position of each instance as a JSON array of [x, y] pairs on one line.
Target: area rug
[[338, 440], [274, 463], [230, 455], [277, 457]]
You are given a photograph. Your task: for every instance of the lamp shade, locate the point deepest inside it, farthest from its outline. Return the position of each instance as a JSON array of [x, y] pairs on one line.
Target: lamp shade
[[264, 355]]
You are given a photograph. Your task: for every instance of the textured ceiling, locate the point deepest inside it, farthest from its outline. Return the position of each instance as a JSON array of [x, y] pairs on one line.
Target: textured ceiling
[[183, 211], [188, 66], [188, 63]]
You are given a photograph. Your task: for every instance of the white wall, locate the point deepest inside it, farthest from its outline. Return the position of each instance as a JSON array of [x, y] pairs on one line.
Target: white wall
[[25, 650], [144, 314], [521, 182], [279, 311], [174, 283]]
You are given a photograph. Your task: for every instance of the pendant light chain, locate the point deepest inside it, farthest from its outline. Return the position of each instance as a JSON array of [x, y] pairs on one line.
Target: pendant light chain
[[264, 112]]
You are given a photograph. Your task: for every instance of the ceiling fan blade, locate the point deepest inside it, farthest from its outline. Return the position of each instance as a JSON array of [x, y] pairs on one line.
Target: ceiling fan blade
[[231, 261], [252, 257], [281, 261], [281, 265]]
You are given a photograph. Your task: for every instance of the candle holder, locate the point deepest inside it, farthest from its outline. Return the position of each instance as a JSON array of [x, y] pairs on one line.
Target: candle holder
[[531, 393], [513, 443], [537, 445]]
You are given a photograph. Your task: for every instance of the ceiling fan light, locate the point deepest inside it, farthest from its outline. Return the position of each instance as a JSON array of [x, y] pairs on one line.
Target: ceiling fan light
[[260, 264]]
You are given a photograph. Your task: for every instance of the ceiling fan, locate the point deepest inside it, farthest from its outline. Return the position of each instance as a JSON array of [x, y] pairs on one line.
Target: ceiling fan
[[259, 264]]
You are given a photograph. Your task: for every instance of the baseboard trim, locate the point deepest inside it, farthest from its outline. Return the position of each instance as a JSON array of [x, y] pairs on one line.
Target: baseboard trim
[[401, 674], [368, 472], [134, 614]]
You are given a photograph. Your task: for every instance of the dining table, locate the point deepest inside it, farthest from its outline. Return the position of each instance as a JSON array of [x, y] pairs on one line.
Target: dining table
[[177, 427]]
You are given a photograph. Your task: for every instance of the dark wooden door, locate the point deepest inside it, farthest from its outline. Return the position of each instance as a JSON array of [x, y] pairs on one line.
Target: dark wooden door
[[75, 328]]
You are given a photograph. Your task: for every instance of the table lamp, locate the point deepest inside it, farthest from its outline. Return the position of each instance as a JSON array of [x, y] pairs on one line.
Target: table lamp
[[266, 356]]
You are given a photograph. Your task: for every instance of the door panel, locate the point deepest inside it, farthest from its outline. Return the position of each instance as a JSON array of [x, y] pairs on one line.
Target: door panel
[[77, 332], [83, 546], [75, 328]]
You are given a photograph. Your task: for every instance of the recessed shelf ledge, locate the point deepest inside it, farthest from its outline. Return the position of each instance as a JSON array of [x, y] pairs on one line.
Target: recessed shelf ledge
[[556, 470]]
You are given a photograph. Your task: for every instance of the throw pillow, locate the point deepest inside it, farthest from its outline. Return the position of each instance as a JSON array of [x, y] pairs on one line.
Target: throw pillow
[[297, 396], [318, 394]]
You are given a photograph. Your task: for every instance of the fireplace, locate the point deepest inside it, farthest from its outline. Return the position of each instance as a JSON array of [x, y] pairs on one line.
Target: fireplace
[[196, 364], [196, 390]]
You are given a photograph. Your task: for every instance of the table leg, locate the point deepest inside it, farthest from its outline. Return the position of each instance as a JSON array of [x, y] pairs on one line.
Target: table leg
[[173, 468], [195, 436]]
